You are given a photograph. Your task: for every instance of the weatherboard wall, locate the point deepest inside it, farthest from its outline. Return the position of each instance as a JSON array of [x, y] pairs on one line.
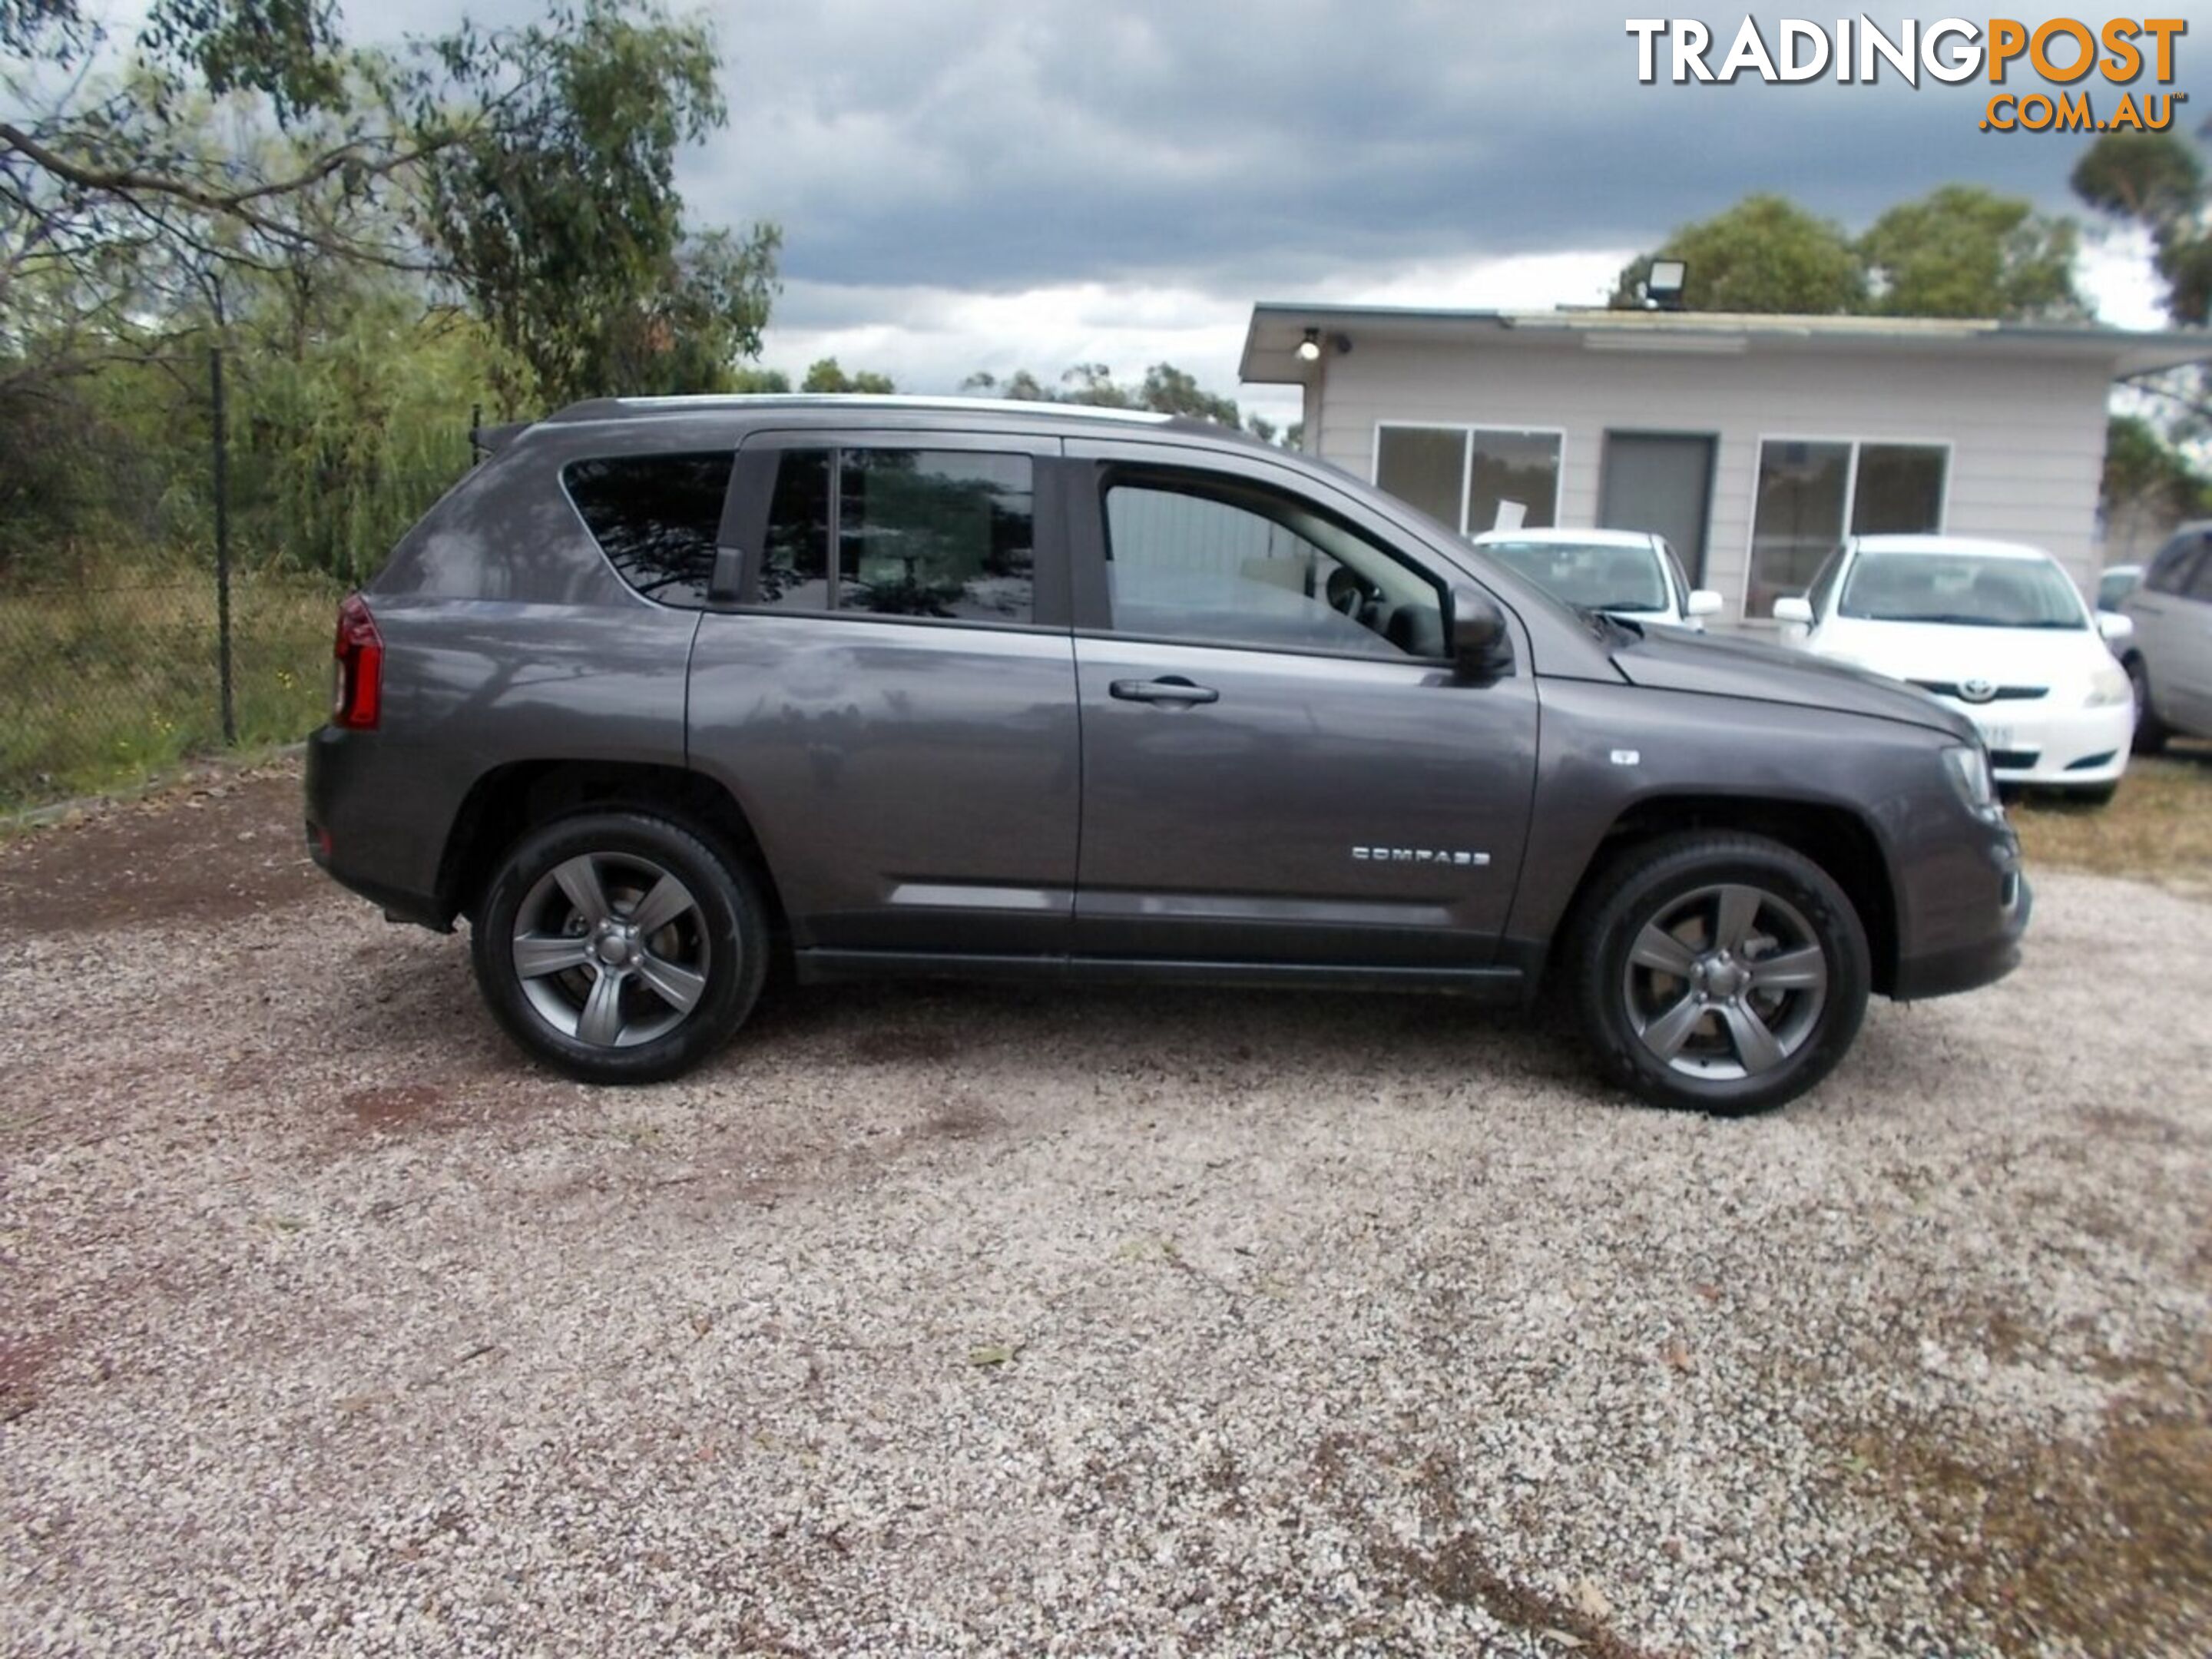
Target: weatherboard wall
[[2025, 434]]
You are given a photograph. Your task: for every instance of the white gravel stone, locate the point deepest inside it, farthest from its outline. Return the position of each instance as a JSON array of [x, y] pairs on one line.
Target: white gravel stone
[[975, 1320]]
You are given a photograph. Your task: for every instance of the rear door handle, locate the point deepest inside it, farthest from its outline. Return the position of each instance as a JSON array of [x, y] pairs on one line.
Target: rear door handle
[[1168, 687]]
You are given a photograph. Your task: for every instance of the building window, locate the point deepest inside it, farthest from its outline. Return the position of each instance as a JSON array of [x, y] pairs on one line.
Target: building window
[[1464, 475], [1811, 493]]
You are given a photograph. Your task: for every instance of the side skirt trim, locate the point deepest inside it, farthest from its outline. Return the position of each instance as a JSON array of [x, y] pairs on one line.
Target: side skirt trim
[[822, 967]]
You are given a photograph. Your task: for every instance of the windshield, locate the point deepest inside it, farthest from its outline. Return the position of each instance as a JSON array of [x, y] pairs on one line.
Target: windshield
[[1960, 588], [1597, 576]]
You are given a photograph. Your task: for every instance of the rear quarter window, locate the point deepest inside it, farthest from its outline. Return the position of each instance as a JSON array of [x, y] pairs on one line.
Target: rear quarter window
[[656, 517]]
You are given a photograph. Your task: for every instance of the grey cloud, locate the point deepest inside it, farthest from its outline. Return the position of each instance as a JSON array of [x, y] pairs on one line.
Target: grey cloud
[[1254, 147]]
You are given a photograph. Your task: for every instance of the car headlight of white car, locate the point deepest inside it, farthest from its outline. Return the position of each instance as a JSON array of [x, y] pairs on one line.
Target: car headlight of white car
[[2108, 687], [1970, 771]]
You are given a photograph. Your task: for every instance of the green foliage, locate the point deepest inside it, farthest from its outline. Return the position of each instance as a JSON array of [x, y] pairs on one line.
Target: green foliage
[[1962, 250], [1764, 254], [2155, 180], [562, 222], [1165, 390], [2145, 473], [825, 376], [752, 378]]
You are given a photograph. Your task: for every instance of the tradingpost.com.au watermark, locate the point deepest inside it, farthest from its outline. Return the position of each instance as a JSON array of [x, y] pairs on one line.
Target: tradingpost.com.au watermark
[[2066, 52]]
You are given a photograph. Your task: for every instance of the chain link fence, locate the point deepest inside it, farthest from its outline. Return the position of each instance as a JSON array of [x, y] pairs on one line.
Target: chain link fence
[[161, 613], [107, 680]]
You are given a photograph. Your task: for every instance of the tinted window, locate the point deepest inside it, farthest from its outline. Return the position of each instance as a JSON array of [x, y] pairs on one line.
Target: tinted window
[[795, 562], [1187, 559], [2200, 580], [918, 533], [935, 533], [2170, 569], [657, 517]]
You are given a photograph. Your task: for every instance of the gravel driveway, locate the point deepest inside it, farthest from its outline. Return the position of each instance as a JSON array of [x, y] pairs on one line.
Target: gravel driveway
[[973, 1318]]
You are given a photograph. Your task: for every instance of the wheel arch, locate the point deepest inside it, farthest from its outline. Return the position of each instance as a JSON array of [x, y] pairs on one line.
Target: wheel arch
[[1835, 837], [511, 799]]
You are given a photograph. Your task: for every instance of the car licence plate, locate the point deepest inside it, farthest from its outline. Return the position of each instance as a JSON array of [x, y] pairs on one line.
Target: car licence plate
[[1995, 736]]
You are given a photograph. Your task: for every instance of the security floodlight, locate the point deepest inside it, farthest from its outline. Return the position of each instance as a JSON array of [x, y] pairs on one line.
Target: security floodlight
[[1309, 348], [1662, 289]]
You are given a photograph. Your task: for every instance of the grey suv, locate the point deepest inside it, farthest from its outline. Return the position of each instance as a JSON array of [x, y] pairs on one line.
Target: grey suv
[[665, 689]]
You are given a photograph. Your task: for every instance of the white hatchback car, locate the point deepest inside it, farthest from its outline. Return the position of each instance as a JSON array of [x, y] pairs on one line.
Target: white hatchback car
[[1624, 573], [1995, 629]]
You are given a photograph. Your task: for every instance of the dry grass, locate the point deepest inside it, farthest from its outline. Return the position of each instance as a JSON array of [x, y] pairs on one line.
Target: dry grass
[[2158, 827]]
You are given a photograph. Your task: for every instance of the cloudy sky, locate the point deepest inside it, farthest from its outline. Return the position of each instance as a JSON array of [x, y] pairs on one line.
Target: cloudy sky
[[996, 184]]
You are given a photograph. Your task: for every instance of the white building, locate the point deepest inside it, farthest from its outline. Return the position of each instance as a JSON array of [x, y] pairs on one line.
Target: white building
[[1753, 442]]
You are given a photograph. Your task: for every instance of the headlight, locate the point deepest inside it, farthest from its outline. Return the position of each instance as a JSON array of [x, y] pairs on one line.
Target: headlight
[[2108, 687], [1970, 771]]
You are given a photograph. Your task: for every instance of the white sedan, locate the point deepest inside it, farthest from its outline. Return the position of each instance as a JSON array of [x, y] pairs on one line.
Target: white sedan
[[1994, 628], [1630, 573]]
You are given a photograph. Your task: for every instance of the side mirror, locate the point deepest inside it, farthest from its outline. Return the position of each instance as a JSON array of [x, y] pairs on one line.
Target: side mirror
[[1704, 602], [2116, 626], [1793, 609], [1481, 644]]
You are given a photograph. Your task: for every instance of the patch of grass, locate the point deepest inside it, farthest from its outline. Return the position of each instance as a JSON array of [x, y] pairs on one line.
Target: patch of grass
[[2158, 826], [107, 683]]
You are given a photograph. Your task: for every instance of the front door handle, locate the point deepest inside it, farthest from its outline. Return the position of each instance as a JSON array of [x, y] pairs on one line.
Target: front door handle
[[1168, 687]]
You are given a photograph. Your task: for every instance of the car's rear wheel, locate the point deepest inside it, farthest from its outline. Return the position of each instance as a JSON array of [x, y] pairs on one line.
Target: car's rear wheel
[[2150, 732], [619, 947], [1724, 972]]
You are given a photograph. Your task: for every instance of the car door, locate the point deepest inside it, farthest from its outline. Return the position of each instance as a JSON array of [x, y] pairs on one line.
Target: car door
[[2187, 665], [891, 697], [2162, 615], [1280, 763]]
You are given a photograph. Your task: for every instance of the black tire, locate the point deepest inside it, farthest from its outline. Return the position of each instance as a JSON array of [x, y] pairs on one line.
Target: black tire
[[2150, 732], [717, 946], [1797, 906]]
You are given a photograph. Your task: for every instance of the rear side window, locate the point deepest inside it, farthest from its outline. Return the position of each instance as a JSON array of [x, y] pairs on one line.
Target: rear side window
[[945, 534], [657, 517], [2169, 571]]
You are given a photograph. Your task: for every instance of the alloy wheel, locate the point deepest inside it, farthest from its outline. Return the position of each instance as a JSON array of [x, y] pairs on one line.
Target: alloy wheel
[[611, 949], [1726, 982]]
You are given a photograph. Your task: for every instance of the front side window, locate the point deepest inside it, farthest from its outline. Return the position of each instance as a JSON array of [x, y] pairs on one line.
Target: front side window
[[1467, 477], [1961, 589], [657, 517], [1595, 576], [1811, 493], [1231, 564], [2169, 571], [943, 534]]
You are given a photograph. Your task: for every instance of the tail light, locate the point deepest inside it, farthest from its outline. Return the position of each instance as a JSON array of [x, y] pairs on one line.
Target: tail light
[[357, 688]]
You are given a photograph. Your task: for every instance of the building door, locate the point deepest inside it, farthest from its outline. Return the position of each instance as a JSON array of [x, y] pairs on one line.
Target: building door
[[1661, 481]]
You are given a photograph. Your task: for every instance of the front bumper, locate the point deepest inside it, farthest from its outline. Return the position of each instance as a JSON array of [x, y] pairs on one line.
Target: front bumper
[[1984, 962], [2031, 743]]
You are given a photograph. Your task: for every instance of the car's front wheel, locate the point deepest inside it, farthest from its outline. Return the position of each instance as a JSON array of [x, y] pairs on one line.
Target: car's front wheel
[[1724, 972], [619, 946]]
